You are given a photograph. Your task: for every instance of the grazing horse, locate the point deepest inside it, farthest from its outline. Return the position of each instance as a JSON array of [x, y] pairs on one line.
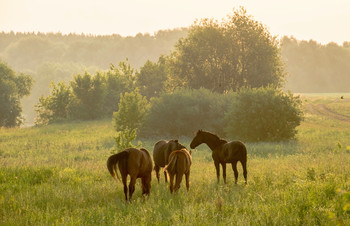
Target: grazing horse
[[161, 152], [136, 163], [179, 164], [223, 152]]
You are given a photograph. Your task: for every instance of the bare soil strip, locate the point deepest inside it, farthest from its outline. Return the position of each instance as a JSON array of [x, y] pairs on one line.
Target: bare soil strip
[[321, 109]]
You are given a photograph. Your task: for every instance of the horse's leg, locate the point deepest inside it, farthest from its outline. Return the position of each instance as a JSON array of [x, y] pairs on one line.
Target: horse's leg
[[217, 166], [224, 171], [166, 176], [171, 182], [234, 167], [124, 178], [187, 180], [132, 186], [244, 166], [179, 176], [157, 168]]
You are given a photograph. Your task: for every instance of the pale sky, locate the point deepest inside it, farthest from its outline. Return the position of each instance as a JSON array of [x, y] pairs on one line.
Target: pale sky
[[321, 20]]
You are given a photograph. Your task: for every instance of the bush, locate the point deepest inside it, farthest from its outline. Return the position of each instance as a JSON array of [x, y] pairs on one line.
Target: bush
[[54, 107], [263, 114], [132, 110], [123, 140], [184, 112]]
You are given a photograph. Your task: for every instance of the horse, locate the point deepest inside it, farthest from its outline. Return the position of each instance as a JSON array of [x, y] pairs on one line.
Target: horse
[[134, 162], [179, 164], [223, 152], [161, 152]]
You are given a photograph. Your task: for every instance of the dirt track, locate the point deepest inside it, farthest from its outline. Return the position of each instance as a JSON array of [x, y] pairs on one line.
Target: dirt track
[[321, 109]]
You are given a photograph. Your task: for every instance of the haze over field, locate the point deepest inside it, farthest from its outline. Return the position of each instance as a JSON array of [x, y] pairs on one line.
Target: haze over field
[[323, 21]]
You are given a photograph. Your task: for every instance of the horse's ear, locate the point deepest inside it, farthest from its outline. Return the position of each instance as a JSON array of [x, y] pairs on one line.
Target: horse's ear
[[177, 141]]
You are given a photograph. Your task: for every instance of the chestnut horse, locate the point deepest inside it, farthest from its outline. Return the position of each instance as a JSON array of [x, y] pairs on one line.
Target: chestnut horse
[[137, 163], [179, 164], [223, 152], [161, 152]]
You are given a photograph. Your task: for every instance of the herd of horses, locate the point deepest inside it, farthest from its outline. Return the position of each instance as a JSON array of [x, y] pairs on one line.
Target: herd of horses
[[176, 161]]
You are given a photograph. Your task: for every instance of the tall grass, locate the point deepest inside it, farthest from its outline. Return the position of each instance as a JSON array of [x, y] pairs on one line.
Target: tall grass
[[57, 175]]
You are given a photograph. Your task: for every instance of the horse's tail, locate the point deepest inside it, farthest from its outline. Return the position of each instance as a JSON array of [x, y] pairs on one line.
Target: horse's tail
[[113, 161], [170, 168]]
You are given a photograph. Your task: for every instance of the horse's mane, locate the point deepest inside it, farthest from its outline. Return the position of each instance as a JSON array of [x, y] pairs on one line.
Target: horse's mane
[[218, 141]]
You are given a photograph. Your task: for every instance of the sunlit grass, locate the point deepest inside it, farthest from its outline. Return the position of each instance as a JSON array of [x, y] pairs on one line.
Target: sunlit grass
[[57, 175]]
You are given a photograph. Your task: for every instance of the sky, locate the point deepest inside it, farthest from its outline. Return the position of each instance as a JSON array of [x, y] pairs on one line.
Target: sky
[[321, 20]]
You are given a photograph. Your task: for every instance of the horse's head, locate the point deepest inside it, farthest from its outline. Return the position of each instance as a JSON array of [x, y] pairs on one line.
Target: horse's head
[[197, 140], [175, 145]]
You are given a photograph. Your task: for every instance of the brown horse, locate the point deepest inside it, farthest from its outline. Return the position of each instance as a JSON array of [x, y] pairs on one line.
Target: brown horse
[[223, 152], [179, 164], [137, 163], [161, 152]]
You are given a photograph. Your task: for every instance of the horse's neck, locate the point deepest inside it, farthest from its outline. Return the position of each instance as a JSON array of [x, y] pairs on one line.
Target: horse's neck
[[213, 141]]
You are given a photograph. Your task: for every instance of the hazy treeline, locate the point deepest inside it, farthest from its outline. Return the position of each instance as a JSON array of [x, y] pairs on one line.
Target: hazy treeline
[[29, 50], [56, 57], [312, 67], [316, 68], [165, 97]]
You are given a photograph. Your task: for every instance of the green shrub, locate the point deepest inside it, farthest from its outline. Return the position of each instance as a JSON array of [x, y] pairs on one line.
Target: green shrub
[[132, 110], [124, 140], [185, 111], [54, 107], [263, 114]]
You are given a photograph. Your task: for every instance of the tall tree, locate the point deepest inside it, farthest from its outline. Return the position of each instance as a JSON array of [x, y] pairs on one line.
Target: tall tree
[[237, 52], [152, 77], [12, 88], [89, 93]]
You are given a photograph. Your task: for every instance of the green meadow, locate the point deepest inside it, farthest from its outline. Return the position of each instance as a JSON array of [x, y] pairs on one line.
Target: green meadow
[[57, 175]]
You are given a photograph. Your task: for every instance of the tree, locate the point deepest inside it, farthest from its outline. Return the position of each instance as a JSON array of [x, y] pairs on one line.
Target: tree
[[12, 88], [263, 114], [56, 106], [118, 80], [151, 78], [132, 110], [237, 52], [89, 93]]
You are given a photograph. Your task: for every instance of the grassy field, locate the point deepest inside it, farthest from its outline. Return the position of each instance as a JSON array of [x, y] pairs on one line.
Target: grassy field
[[57, 175]]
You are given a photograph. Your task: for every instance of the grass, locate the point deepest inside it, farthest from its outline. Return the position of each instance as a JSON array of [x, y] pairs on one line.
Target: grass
[[57, 175]]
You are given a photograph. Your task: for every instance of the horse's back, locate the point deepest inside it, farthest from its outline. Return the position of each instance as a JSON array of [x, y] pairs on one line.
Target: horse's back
[[158, 153], [139, 161], [183, 161], [235, 150]]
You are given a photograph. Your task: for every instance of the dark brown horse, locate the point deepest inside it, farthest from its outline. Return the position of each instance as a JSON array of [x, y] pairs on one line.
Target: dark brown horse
[[223, 152], [161, 152], [179, 164], [136, 163]]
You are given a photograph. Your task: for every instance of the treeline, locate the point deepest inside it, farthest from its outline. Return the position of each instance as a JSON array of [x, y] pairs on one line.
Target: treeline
[[30, 50], [313, 67], [57, 57], [219, 77]]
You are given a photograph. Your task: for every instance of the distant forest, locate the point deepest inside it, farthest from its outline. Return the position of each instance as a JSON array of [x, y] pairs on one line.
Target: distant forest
[[47, 57]]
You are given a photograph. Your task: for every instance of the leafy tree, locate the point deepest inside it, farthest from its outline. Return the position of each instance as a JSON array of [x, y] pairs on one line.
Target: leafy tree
[[56, 106], [117, 80], [237, 52], [132, 110], [151, 78], [124, 140], [263, 114], [12, 88], [89, 93]]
